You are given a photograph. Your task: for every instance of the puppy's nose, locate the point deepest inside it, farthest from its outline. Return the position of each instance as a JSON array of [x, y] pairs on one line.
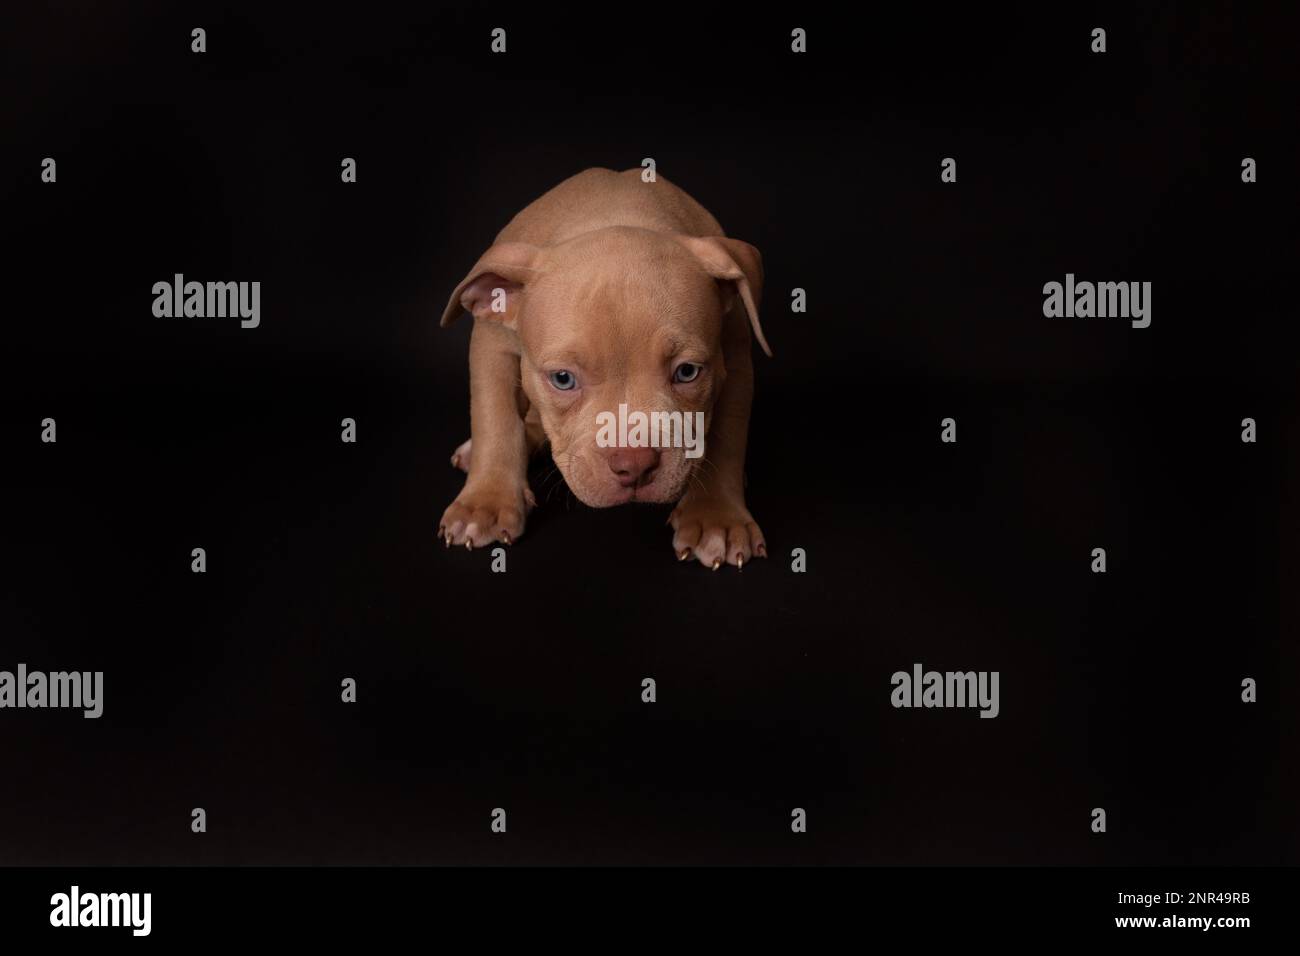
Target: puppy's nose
[[634, 466]]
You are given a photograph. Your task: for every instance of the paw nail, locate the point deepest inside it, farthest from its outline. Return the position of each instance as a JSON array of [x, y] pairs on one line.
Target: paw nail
[[740, 562], [717, 563], [505, 536], [449, 541], [686, 553], [469, 545]]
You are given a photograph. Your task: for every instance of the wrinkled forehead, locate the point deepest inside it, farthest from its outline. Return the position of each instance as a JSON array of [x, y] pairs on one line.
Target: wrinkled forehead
[[615, 312]]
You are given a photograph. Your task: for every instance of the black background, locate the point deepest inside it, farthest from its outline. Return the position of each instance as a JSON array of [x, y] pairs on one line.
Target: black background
[[522, 690]]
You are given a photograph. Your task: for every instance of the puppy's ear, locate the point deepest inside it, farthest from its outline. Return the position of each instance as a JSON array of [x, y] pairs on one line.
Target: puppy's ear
[[491, 289], [733, 261]]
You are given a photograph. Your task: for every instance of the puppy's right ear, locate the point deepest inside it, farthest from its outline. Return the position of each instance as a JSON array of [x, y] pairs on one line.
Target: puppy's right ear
[[492, 288]]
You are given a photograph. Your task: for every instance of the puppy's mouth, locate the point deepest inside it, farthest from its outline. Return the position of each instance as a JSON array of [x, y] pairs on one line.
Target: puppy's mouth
[[598, 490], [622, 496], [650, 494]]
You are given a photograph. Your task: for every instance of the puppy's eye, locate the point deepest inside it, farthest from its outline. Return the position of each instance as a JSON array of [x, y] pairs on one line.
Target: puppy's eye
[[563, 379], [687, 372]]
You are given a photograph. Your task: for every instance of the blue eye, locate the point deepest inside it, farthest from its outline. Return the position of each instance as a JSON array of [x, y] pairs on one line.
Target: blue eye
[[563, 380], [687, 372]]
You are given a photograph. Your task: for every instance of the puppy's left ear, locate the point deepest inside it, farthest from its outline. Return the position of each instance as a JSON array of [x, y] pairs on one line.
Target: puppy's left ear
[[733, 261], [491, 290]]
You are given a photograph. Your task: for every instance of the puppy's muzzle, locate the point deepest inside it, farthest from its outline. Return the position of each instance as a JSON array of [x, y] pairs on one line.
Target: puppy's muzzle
[[633, 467]]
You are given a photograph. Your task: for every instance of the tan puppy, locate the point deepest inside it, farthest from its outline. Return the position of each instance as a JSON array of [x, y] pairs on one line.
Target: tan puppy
[[611, 291]]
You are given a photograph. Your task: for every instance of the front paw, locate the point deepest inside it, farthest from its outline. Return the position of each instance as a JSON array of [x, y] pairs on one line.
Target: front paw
[[486, 513], [716, 531]]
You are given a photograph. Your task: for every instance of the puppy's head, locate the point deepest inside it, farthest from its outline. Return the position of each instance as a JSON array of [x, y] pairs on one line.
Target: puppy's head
[[621, 317]]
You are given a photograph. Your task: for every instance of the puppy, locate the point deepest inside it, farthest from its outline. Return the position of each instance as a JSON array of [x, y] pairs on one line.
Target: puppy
[[609, 291]]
